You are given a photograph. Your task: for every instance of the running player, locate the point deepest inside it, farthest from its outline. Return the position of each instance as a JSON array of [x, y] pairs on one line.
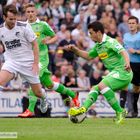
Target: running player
[[21, 53], [43, 31], [116, 60]]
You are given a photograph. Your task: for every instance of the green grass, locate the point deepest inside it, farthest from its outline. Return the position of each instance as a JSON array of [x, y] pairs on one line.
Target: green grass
[[63, 129]]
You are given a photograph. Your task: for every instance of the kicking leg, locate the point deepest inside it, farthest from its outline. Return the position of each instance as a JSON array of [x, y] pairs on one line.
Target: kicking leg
[[92, 97], [47, 82]]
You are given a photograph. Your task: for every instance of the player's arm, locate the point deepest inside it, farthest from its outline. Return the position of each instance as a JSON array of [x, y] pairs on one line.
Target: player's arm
[[133, 51], [31, 37], [137, 51], [127, 60], [50, 40], [77, 51], [51, 37], [1, 48], [36, 56]]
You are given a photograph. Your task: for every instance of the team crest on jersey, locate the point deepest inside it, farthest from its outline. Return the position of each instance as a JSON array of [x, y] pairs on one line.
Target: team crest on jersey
[[17, 34], [103, 55]]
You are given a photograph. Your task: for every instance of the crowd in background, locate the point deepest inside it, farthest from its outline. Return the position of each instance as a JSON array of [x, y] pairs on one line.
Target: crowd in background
[[69, 19]]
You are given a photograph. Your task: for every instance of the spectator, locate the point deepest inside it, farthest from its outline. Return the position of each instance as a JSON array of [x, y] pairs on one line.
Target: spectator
[[131, 42], [123, 26], [95, 78], [69, 56], [83, 82]]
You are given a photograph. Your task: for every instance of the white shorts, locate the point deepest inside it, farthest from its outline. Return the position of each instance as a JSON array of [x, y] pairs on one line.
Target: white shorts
[[24, 71]]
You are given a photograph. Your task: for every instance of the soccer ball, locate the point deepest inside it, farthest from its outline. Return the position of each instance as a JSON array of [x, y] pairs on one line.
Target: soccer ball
[[78, 118]]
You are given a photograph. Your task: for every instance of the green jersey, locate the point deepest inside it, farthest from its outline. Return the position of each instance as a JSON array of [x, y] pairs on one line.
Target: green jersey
[[42, 30], [109, 52]]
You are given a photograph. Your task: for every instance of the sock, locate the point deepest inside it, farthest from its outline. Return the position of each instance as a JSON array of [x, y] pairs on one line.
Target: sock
[[63, 90], [111, 99], [32, 100], [92, 97], [123, 96]]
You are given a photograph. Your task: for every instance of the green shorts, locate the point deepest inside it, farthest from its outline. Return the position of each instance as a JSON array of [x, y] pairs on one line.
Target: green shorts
[[45, 76], [118, 79]]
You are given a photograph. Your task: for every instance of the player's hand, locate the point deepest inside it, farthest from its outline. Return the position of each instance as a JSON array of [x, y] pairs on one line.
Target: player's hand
[[131, 50], [70, 47], [35, 68], [45, 40], [127, 67]]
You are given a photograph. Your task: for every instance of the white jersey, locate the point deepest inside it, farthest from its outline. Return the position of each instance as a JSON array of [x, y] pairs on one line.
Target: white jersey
[[17, 43]]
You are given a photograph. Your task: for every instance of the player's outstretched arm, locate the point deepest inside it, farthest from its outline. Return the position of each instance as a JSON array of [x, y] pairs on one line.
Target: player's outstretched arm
[[77, 51], [127, 60]]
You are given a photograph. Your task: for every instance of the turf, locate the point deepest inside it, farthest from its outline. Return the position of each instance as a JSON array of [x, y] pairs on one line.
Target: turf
[[63, 129]]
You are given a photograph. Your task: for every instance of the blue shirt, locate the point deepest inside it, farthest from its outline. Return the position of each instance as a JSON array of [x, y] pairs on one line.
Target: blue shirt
[[132, 41]]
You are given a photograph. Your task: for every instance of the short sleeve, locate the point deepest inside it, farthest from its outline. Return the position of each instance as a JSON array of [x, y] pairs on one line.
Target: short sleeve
[[116, 46], [48, 31], [93, 53], [29, 33]]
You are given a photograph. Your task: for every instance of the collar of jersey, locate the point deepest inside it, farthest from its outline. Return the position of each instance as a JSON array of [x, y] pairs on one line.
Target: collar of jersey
[[104, 38], [37, 21]]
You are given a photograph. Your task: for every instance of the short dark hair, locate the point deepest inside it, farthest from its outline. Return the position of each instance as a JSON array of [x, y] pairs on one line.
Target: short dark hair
[[9, 8], [133, 17], [96, 26]]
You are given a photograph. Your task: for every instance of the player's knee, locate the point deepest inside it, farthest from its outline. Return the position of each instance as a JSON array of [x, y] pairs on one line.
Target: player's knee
[[50, 86], [101, 86], [1, 83]]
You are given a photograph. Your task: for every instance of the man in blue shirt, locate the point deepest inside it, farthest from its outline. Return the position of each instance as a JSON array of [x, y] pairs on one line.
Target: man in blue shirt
[[132, 44]]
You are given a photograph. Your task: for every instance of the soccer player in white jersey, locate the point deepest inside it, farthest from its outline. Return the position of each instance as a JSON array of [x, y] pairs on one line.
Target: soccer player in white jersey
[[21, 53]]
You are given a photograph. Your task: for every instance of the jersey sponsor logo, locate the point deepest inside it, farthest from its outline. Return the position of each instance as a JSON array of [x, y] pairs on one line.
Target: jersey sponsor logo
[[103, 55], [13, 44], [17, 34], [37, 34], [118, 47]]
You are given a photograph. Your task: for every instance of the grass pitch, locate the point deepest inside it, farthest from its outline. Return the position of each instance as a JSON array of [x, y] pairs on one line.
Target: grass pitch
[[63, 129]]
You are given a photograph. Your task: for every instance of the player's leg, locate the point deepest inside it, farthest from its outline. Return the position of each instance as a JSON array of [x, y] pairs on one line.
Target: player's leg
[[107, 87], [32, 100], [112, 82], [39, 92], [109, 95], [5, 77], [36, 87], [47, 82], [123, 96], [29, 112], [136, 92], [91, 98]]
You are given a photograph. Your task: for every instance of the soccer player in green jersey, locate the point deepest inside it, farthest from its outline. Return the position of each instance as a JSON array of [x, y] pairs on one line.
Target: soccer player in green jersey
[[116, 60], [43, 31]]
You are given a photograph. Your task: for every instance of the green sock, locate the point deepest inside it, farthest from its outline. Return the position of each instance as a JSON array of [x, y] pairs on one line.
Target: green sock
[[110, 97], [47, 81], [64, 90], [32, 100], [92, 97]]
